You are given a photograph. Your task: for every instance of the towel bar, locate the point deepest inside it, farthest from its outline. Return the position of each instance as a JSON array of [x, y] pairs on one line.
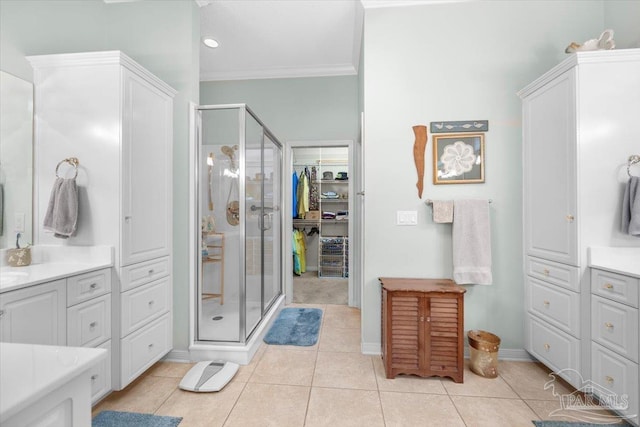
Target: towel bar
[[430, 202]]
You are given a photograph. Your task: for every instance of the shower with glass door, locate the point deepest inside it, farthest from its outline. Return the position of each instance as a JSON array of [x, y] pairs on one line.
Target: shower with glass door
[[238, 258]]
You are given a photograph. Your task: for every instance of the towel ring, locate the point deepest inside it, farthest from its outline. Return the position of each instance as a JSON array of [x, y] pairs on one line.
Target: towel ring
[[633, 159], [73, 161]]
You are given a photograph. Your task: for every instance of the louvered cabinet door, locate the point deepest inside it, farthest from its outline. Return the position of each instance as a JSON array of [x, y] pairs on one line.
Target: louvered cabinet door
[[444, 336], [403, 330]]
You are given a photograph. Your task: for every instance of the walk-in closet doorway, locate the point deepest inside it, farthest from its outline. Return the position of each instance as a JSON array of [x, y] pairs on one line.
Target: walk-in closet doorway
[[323, 225]]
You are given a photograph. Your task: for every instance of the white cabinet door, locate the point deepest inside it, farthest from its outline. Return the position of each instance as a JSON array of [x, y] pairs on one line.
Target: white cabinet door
[[550, 171], [35, 315], [146, 170]]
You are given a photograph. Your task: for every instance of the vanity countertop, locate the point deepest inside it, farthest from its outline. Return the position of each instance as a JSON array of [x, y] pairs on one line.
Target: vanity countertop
[[617, 260], [29, 372], [52, 263]]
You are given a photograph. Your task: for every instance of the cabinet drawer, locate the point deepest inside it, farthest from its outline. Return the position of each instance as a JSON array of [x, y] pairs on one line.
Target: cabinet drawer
[[136, 275], [555, 348], [140, 305], [614, 286], [144, 347], [615, 326], [101, 375], [614, 376], [89, 285], [89, 323], [563, 275], [556, 305]]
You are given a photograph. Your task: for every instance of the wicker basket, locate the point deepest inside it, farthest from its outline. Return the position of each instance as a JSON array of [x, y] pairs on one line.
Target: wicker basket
[[483, 349]]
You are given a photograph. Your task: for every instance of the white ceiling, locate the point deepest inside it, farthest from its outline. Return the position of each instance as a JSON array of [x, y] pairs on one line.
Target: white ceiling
[[285, 38], [280, 38]]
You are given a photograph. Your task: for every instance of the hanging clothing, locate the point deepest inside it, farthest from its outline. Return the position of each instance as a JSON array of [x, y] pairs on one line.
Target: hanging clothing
[[299, 252], [294, 193], [303, 195]]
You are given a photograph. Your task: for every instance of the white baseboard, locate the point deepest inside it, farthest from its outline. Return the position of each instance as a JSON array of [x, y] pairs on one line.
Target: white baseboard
[[514, 354], [181, 356]]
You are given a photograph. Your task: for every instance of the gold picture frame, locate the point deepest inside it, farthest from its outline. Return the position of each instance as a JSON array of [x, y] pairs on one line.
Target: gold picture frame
[[458, 158]]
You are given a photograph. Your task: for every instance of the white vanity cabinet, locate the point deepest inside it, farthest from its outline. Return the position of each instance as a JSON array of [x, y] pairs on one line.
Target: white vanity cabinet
[[578, 122], [35, 315], [117, 118], [614, 335]]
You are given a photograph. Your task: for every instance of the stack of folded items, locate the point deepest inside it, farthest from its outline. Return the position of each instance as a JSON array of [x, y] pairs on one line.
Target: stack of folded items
[[330, 195], [342, 215], [328, 215]]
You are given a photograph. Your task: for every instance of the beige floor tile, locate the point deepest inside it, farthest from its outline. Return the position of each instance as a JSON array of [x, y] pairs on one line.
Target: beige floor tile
[[345, 340], [170, 369], [344, 408], [406, 383], [475, 385], [529, 378], [145, 395], [270, 405], [551, 410], [284, 366], [245, 371], [344, 370], [493, 412], [202, 409], [341, 316], [413, 409]]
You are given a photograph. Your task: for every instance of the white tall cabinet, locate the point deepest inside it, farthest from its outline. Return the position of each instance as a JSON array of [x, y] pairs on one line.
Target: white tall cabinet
[[117, 119], [579, 128]]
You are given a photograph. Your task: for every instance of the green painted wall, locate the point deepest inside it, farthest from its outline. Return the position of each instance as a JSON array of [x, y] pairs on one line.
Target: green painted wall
[[457, 61], [314, 108], [163, 36]]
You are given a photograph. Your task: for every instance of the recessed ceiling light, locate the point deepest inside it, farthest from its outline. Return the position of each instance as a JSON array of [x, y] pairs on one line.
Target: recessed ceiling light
[[212, 43]]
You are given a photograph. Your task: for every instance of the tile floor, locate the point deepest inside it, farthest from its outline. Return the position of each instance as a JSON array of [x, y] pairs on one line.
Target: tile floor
[[332, 384]]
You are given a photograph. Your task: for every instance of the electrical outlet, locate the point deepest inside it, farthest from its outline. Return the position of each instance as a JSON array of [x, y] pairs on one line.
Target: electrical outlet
[[19, 221], [407, 218]]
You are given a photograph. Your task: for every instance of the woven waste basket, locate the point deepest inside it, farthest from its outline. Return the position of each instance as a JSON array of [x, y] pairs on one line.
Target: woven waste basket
[[483, 348]]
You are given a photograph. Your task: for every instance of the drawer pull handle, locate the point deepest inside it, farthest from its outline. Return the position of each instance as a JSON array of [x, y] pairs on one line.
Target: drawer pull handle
[[93, 324], [547, 347], [150, 346], [607, 286], [94, 377], [608, 325], [570, 218], [151, 271], [93, 286], [151, 303], [422, 318], [546, 303], [609, 379], [1, 313], [546, 272]]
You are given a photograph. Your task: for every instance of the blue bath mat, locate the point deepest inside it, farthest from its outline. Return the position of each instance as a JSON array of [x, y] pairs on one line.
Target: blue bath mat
[[574, 424], [295, 326], [132, 419]]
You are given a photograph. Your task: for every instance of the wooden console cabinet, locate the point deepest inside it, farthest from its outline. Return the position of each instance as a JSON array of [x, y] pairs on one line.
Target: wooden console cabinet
[[422, 327]]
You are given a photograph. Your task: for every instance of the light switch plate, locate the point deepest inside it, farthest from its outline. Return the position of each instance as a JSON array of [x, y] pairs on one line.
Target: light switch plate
[[407, 218], [19, 218]]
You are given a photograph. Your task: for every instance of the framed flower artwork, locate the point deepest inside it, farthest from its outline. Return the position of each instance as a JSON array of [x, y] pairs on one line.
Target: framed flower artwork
[[458, 158]]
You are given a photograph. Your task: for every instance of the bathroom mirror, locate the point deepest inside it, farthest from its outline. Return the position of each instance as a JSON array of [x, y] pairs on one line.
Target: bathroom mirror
[[16, 160]]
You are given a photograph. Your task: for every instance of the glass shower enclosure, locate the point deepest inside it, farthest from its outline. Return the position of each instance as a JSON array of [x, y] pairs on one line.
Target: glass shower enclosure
[[239, 201]]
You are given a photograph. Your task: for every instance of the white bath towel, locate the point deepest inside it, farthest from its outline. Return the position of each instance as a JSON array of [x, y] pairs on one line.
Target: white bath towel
[[631, 207], [62, 212], [471, 242], [442, 211]]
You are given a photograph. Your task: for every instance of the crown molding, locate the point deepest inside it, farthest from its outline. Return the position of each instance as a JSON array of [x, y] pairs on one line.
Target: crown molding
[[281, 73]]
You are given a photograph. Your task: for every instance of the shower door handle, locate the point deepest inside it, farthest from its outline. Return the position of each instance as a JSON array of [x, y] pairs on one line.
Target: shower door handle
[[265, 219]]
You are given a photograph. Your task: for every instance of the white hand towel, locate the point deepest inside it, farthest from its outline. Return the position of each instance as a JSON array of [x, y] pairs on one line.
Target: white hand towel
[[631, 207], [62, 211], [442, 211], [471, 242]]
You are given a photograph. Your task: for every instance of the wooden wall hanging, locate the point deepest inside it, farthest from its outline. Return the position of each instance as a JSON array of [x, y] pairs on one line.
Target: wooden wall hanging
[[419, 147]]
